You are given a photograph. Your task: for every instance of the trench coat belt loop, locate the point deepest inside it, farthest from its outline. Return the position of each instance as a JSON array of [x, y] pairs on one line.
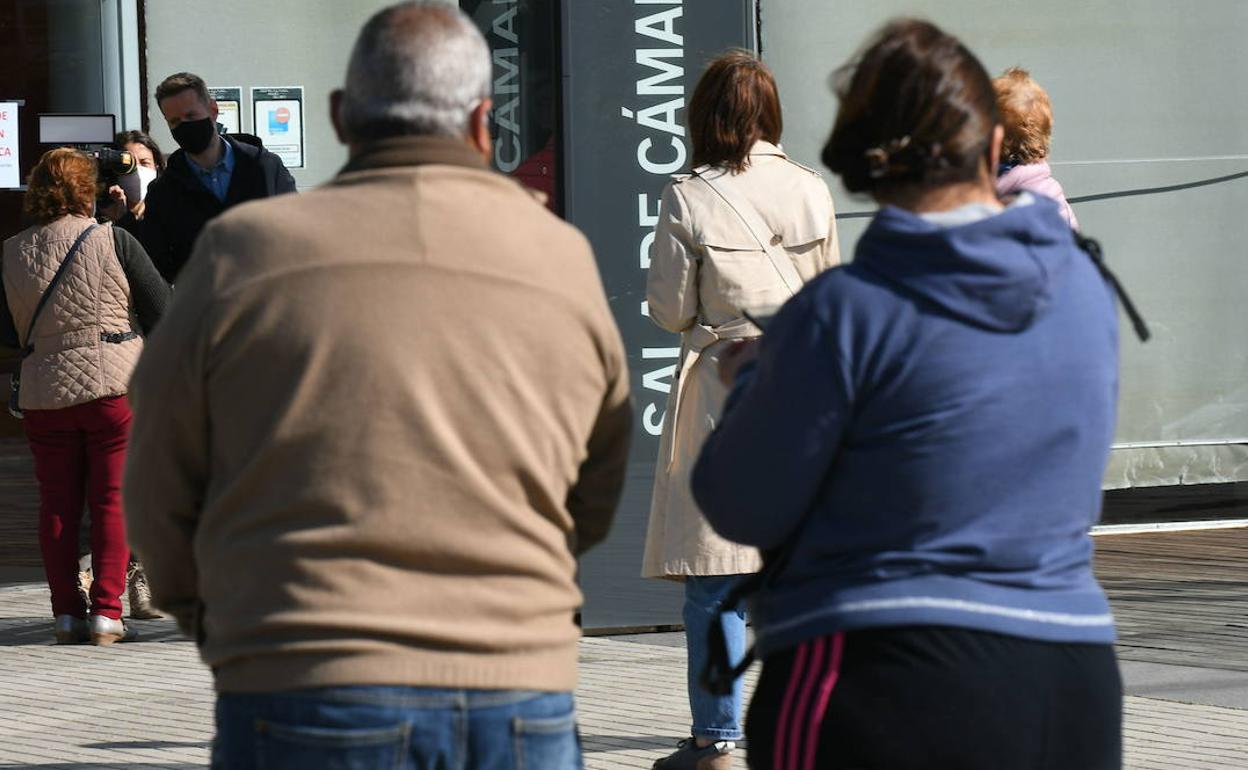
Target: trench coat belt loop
[[697, 339]]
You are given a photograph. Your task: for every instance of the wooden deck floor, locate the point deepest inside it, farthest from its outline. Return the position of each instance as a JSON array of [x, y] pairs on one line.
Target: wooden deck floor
[[1179, 598], [19, 503]]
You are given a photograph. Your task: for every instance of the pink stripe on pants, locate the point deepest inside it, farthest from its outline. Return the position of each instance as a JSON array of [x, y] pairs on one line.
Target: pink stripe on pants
[[801, 716]]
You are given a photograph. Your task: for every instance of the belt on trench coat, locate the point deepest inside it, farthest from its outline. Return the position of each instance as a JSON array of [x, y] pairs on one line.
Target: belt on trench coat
[[698, 338]]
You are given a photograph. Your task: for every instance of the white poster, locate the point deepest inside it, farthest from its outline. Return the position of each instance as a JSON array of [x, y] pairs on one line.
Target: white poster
[[277, 118], [10, 174], [229, 105]]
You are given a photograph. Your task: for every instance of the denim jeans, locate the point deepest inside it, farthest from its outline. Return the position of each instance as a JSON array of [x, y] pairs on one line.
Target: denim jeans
[[405, 728], [714, 716]]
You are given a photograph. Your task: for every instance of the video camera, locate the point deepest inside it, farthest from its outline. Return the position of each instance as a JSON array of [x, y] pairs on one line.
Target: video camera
[[113, 162], [92, 134]]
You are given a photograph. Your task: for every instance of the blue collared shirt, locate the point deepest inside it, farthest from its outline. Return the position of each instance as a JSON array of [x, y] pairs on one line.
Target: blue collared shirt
[[217, 179]]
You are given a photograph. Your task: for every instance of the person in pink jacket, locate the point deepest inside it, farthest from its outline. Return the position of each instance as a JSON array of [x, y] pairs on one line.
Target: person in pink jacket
[[1027, 116]]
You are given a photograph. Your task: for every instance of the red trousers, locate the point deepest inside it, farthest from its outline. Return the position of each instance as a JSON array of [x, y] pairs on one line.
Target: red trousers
[[79, 455]]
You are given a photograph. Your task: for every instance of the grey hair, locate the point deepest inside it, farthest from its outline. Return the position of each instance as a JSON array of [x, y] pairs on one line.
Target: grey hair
[[417, 69]]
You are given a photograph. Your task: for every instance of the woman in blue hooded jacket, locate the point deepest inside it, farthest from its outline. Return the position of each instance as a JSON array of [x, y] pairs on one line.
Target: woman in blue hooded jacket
[[926, 431]]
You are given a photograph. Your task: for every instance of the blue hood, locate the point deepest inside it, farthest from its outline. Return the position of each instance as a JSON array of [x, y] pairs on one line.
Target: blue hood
[[997, 273]]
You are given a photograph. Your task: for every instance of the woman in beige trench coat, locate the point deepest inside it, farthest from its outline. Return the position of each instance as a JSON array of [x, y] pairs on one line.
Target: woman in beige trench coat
[[741, 234]]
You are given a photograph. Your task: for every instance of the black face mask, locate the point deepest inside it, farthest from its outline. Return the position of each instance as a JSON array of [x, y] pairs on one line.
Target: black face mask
[[195, 136]]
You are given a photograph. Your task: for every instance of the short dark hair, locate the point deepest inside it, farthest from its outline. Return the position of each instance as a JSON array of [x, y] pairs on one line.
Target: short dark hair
[[735, 104], [138, 137], [62, 182], [917, 110], [182, 81]]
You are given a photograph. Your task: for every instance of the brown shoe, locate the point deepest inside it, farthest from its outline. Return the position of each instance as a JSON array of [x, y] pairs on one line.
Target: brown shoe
[[717, 756], [84, 586], [139, 594]]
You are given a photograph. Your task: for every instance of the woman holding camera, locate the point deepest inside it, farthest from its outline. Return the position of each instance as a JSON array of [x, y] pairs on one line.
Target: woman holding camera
[[918, 445], [739, 235], [127, 197], [77, 297]]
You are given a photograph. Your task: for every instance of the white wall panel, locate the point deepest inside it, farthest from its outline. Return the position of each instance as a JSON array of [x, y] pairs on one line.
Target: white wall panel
[[1146, 94]]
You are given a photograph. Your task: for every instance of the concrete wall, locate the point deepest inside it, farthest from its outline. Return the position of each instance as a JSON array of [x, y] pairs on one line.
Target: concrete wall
[[260, 44], [1146, 94]]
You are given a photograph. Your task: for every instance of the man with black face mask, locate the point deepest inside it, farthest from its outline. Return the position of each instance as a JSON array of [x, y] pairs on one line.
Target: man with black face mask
[[209, 174]]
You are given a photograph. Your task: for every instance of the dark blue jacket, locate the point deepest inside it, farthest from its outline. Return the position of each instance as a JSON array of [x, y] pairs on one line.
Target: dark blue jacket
[[929, 426], [178, 205]]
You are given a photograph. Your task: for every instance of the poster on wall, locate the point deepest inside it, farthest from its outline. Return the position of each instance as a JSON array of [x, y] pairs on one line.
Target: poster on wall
[[10, 174], [229, 107], [277, 118]]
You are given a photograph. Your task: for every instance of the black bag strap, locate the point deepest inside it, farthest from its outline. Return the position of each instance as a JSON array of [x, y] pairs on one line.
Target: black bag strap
[[1093, 249], [27, 347], [718, 675]]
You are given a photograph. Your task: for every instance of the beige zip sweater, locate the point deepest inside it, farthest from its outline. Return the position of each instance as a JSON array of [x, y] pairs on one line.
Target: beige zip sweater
[[374, 427]]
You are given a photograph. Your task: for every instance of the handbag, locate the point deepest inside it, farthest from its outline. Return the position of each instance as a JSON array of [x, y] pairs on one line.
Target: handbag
[[15, 379]]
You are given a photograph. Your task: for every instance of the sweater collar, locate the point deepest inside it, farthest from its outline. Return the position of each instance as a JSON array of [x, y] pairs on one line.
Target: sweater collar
[[764, 147], [413, 151]]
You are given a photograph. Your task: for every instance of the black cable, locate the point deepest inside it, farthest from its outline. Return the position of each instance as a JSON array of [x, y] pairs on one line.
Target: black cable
[[1158, 190], [1108, 195]]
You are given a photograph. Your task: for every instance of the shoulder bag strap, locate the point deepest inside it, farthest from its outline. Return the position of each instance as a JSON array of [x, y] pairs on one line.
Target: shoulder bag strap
[[27, 347], [1092, 248], [754, 223]]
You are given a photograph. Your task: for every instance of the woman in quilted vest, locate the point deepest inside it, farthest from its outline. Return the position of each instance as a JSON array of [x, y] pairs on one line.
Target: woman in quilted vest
[[77, 298], [741, 234]]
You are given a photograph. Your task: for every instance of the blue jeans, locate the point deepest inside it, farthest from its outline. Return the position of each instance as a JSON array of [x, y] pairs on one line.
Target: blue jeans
[[405, 728], [714, 716]]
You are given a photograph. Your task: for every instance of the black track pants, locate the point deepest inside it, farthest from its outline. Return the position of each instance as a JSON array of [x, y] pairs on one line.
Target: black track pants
[[937, 698]]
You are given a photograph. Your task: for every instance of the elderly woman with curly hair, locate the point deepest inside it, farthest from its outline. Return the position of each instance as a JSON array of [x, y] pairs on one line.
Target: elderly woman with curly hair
[[77, 298], [1027, 119]]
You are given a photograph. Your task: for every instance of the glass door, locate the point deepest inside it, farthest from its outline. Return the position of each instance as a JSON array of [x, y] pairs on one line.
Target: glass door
[[523, 38], [53, 62]]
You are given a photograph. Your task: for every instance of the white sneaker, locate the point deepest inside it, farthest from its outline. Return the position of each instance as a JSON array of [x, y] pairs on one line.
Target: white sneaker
[[71, 630], [105, 631]]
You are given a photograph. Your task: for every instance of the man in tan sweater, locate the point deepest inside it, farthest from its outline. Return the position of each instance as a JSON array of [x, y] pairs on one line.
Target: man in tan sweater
[[373, 431]]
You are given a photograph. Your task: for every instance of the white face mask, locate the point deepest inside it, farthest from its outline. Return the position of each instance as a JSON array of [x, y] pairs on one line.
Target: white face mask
[[135, 184]]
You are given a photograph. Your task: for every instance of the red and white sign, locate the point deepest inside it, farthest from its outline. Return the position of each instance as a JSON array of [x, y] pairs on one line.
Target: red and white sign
[[277, 118], [10, 174]]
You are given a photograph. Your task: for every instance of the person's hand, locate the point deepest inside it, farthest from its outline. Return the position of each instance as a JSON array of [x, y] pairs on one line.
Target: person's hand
[[116, 207], [737, 355]]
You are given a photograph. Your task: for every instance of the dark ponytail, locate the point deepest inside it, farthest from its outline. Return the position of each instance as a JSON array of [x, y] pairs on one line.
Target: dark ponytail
[[917, 110]]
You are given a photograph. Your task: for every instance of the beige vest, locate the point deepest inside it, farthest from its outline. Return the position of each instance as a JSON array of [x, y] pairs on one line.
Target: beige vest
[[71, 363]]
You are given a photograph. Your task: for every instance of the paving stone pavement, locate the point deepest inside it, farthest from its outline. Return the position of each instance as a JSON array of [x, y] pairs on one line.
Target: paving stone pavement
[[148, 704]]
